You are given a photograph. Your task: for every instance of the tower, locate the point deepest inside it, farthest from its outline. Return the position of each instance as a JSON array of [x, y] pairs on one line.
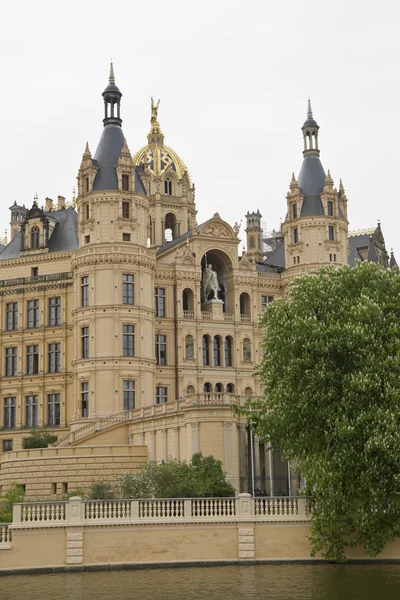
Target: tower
[[254, 235], [315, 229], [113, 277], [168, 185], [18, 214]]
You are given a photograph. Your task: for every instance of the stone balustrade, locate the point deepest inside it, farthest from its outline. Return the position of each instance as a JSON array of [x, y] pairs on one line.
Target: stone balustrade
[[156, 510], [5, 536]]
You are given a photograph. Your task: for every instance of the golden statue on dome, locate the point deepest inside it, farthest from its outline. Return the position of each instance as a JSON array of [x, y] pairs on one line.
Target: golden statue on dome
[[154, 111]]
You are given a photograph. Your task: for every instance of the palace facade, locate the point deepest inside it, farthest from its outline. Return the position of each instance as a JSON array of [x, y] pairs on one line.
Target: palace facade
[[113, 337]]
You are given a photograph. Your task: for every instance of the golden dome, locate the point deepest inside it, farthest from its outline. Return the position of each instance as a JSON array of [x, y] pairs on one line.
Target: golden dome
[[156, 156]]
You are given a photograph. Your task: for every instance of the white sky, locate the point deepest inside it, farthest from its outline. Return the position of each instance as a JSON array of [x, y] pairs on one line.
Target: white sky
[[233, 78]]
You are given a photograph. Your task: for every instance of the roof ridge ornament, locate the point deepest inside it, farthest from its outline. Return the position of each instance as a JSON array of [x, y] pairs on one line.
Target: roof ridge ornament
[[309, 109], [111, 78]]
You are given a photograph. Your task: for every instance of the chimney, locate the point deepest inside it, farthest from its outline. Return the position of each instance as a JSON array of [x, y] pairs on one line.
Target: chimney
[[48, 205], [61, 202]]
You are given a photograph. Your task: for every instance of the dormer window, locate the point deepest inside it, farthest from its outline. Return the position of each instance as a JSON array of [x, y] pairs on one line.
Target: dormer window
[[125, 183], [168, 187], [35, 237], [294, 211], [330, 209], [295, 235]]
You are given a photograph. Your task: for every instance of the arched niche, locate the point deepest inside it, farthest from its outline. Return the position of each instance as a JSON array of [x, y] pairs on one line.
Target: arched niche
[[221, 264], [170, 227]]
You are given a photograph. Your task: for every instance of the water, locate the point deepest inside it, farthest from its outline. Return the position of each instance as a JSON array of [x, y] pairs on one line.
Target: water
[[262, 582]]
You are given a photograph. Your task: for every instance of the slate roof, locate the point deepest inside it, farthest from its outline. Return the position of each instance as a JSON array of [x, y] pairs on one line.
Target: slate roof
[[276, 258], [311, 181], [63, 238], [355, 242], [106, 157]]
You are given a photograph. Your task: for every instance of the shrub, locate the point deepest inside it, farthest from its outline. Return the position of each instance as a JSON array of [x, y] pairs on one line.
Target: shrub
[[100, 490], [39, 438], [13, 495]]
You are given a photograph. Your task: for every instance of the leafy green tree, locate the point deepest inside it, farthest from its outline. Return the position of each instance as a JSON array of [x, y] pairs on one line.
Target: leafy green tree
[[331, 374], [200, 478], [14, 494], [100, 490], [39, 438]]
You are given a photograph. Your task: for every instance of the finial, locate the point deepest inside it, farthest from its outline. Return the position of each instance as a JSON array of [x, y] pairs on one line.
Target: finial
[[73, 203], [35, 198], [155, 134], [391, 251], [87, 150], [111, 78], [5, 236], [309, 109], [293, 182], [341, 188]]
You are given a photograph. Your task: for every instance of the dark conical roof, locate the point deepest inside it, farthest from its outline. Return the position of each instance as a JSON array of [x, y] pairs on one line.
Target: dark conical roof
[[311, 181], [106, 157]]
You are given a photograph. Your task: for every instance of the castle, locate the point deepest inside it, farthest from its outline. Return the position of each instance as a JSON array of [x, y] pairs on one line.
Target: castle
[[129, 329]]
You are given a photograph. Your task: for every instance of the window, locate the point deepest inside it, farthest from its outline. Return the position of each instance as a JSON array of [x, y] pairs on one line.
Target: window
[[11, 362], [294, 211], [252, 242], [331, 233], [129, 394], [53, 410], [10, 405], [228, 351], [128, 336], [32, 359], [86, 185], [206, 350], [159, 301], [217, 351], [31, 411], [127, 288], [330, 209], [207, 388], [85, 342], [85, 291], [161, 394], [34, 271], [87, 239], [11, 316], [126, 237], [87, 211], [266, 300], [295, 235], [54, 311], [85, 398], [246, 350], [125, 185], [125, 210], [35, 237], [55, 357], [7, 445], [168, 187], [33, 314], [332, 257], [230, 388], [161, 349]]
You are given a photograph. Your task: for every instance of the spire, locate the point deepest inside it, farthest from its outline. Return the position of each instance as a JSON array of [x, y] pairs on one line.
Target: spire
[[328, 180], [392, 261], [155, 135], [309, 110], [112, 99], [111, 78], [293, 182]]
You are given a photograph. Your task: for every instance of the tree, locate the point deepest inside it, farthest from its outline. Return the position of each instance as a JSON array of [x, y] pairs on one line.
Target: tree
[[331, 375], [15, 493], [203, 477], [39, 438]]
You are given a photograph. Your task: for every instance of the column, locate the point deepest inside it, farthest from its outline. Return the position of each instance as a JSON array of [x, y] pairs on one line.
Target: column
[[257, 467], [176, 443], [269, 470], [164, 455], [228, 448], [195, 438], [243, 458]]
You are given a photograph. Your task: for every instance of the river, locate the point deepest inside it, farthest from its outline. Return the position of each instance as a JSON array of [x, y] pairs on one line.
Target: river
[[261, 582]]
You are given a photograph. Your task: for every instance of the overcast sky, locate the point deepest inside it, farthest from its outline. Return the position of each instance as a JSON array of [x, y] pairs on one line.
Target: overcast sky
[[233, 78]]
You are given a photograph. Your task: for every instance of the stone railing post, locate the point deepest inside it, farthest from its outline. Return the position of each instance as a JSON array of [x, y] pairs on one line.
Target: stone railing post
[[71, 437], [75, 511], [134, 510], [187, 508], [17, 514], [302, 506], [244, 506]]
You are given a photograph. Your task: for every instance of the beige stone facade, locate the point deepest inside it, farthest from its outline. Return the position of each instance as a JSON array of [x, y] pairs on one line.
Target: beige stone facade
[[108, 323]]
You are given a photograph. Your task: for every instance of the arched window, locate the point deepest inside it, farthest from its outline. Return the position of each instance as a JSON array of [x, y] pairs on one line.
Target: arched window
[[170, 232], [246, 350], [35, 237], [228, 351], [245, 311], [168, 187], [206, 350], [207, 388], [219, 388], [188, 303], [217, 351], [252, 242], [230, 388], [189, 347]]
